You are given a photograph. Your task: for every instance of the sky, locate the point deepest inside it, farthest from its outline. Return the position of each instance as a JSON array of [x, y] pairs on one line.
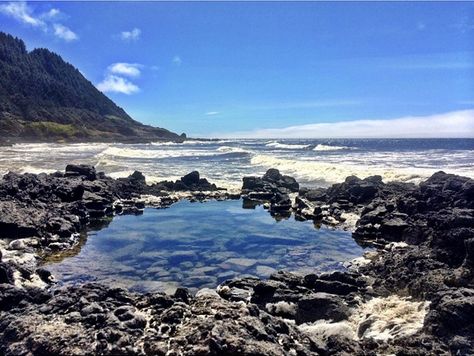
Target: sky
[[269, 69]]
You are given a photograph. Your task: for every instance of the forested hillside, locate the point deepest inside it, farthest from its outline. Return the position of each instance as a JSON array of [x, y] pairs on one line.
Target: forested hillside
[[44, 98]]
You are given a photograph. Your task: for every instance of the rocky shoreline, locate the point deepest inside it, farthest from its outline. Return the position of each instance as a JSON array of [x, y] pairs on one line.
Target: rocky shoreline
[[412, 294]]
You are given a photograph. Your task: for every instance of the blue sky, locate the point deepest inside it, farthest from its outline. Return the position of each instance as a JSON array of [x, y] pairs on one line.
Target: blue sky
[[212, 68]]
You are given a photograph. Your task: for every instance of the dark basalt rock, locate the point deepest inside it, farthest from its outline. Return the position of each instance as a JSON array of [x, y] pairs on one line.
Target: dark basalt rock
[[452, 314], [244, 316], [191, 179], [273, 181], [356, 190], [321, 305], [81, 170]]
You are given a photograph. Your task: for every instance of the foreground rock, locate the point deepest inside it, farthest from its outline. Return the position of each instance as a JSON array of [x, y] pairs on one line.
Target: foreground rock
[[412, 294]]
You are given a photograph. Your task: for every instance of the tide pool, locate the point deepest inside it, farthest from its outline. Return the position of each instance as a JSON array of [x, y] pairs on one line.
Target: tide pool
[[198, 245]]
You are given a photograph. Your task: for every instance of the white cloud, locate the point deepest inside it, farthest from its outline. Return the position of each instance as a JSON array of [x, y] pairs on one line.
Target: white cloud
[[132, 35], [114, 80], [115, 84], [451, 124], [64, 33], [51, 14], [21, 12], [127, 69], [177, 60], [212, 113]]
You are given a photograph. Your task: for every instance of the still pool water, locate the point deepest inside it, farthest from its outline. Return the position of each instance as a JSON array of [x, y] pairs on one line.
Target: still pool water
[[198, 245]]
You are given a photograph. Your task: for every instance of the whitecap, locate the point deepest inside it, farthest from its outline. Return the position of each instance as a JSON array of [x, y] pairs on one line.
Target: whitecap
[[286, 146], [228, 149], [321, 147]]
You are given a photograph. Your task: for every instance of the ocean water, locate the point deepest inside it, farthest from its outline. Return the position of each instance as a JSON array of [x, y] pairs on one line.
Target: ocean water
[[201, 245], [311, 162]]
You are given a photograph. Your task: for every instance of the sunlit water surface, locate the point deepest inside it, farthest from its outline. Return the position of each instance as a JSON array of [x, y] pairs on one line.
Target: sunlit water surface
[[199, 245]]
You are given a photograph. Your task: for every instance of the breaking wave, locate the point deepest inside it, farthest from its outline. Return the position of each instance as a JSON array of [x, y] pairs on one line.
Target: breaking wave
[[285, 146], [378, 319], [228, 149], [332, 172], [321, 147]]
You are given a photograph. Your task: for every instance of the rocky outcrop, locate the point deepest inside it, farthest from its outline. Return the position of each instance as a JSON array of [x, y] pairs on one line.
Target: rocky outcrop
[[273, 188], [412, 293]]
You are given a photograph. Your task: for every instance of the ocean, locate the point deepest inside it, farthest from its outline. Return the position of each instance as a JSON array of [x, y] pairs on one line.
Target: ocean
[[225, 162]]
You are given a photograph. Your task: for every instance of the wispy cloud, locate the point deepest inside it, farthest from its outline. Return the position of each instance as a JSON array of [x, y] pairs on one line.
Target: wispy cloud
[[116, 84], [64, 33], [132, 35], [451, 124], [212, 113], [21, 12], [177, 60], [47, 21], [51, 14], [127, 69]]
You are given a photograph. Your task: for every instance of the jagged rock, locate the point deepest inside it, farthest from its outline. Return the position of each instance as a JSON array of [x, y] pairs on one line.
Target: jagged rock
[[452, 313], [431, 260], [191, 179]]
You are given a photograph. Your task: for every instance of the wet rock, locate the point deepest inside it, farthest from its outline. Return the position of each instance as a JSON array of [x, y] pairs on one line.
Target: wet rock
[[318, 306], [17, 245], [44, 274]]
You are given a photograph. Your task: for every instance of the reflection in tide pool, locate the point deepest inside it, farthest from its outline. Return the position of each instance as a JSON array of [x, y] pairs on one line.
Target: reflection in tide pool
[[199, 245]]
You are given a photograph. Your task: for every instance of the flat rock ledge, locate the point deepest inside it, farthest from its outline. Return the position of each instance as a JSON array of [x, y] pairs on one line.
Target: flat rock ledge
[[411, 294]]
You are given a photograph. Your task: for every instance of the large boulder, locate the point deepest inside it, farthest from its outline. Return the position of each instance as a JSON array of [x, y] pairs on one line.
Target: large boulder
[[191, 179]]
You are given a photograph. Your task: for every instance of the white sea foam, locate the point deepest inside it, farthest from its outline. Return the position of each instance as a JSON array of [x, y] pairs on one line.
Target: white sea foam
[[187, 142], [57, 148], [335, 171], [228, 149], [152, 153], [35, 170], [286, 146], [379, 319], [321, 147]]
